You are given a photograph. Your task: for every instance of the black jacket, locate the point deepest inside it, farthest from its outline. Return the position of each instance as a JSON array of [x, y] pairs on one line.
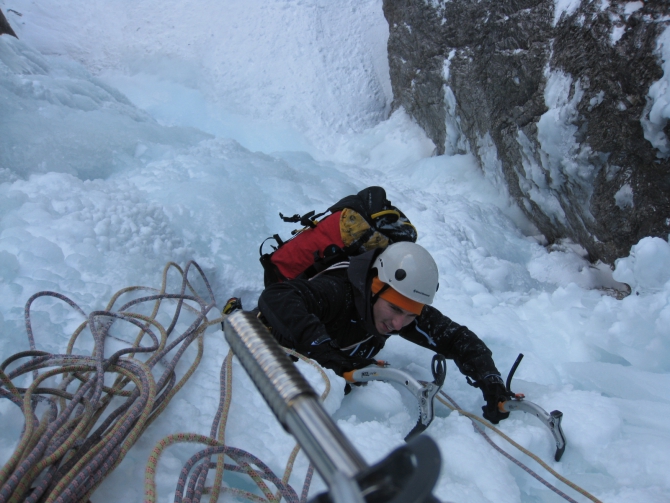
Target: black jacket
[[329, 318]]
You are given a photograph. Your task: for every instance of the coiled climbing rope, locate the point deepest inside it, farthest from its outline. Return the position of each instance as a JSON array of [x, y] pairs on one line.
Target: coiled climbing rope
[[60, 457]]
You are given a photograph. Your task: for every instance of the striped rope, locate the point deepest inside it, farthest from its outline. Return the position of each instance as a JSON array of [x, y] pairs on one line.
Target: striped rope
[[477, 421], [60, 457], [307, 483], [220, 419]]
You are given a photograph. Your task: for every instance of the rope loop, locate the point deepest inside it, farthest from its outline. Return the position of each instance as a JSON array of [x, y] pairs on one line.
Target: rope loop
[[480, 424], [60, 457]]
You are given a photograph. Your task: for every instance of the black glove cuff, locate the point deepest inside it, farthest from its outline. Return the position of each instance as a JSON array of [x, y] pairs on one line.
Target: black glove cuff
[[493, 414]]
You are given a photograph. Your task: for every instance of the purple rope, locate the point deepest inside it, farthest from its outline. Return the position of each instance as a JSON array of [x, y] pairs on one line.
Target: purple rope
[[207, 464], [26, 312], [37, 451], [87, 399], [239, 456], [525, 468], [117, 438], [195, 479], [308, 482]]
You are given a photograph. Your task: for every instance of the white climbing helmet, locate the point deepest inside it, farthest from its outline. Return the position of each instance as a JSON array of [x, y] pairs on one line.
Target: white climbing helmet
[[410, 270]]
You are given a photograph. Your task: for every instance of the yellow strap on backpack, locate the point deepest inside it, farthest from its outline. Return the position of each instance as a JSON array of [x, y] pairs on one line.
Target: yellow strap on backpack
[[385, 212]]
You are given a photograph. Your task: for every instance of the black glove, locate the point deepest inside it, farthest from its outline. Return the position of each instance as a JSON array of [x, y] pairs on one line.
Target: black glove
[[357, 362], [354, 363], [494, 391], [348, 388], [341, 363]]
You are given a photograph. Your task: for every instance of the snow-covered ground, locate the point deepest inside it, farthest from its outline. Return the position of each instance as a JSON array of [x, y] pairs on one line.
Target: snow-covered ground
[[133, 134]]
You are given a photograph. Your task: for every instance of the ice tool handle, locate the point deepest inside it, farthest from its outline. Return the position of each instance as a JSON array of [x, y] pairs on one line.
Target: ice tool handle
[[552, 420], [439, 369], [407, 475], [427, 396]]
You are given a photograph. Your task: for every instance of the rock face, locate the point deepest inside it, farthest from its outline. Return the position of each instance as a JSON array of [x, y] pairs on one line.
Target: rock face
[[563, 109], [5, 26]]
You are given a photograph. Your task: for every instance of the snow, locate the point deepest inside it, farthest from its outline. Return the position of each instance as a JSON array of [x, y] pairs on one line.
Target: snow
[[631, 7], [624, 196], [565, 6], [455, 141], [657, 111], [337, 75], [617, 33], [134, 135]]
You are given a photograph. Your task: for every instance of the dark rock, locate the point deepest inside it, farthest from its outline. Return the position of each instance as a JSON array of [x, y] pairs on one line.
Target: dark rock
[[478, 76], [5, 27]]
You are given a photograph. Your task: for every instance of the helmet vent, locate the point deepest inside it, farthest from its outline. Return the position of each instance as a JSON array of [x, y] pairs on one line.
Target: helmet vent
[[400, 274]]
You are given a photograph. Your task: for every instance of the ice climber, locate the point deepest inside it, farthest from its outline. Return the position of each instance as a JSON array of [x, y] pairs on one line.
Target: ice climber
[[343, 317]]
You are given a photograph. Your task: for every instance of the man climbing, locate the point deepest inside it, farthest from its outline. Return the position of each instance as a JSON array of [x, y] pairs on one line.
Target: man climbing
[[343, 317]]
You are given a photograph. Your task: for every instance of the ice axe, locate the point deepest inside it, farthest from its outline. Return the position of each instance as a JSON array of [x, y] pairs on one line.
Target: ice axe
[[552, 420], [423, 392]]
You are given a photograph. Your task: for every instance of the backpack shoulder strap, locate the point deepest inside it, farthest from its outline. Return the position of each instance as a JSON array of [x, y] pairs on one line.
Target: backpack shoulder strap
[[339, 265]]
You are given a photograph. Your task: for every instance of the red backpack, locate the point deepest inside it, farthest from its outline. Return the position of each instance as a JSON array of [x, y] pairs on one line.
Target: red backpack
[[353, 225]]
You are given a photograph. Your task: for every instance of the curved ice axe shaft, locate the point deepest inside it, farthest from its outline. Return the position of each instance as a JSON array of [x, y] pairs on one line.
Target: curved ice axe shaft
[[552, 420], [407, 475], [423, 392]]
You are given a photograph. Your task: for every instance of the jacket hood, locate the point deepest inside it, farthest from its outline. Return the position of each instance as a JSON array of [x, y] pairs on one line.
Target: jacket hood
[[360, 277]]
